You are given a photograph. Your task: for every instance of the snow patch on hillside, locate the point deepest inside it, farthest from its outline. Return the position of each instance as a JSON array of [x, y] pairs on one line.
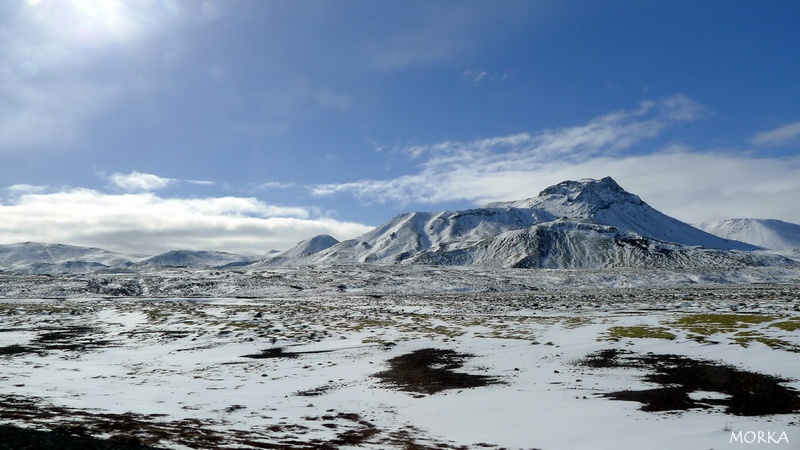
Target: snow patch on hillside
[[767, 233]]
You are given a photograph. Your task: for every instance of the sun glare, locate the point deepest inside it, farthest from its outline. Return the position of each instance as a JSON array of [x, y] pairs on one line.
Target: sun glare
[[97, 21]]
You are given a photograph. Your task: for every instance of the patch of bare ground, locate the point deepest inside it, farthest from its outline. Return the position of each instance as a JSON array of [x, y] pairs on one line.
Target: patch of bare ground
[[69, 338], [743, 393], [432, 370], [133, 429], [72, 429], [16, 438], [16, 350]]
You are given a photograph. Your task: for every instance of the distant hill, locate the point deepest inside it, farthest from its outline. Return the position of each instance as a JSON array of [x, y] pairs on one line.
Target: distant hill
[[41, 258], [309, 246], [766, 233], [53, 259], [196, 259]]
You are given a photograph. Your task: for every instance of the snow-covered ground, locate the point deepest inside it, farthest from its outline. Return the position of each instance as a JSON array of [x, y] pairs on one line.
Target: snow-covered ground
[[203, 372]]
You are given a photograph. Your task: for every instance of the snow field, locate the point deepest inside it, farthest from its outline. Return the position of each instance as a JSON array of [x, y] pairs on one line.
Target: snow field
[[174, 360]]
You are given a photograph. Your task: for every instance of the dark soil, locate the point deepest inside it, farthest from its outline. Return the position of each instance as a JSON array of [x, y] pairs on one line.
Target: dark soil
[[15, 350], [279, 352], [73, 429], [15, 438], [431, 370], [72, 338], [748, 393]]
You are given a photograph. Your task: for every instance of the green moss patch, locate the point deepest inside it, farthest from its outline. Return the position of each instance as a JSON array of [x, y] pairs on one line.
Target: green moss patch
[[792, 324], [708, 324], [638, 332]]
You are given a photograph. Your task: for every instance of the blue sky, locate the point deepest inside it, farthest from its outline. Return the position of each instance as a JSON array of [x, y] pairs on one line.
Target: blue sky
[[247, 126]]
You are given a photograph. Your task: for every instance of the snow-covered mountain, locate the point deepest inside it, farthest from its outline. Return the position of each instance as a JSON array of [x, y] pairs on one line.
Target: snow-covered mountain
[[40, 258], [605, 202], [194, 258], [574, 224], [52, 259], [767, 233], [311, 245]]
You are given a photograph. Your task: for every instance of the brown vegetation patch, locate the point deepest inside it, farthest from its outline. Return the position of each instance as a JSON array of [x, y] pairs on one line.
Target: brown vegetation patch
[[431, 370], [744, 393], [72, 338], [16, 438], [72, 429], [15, 350]]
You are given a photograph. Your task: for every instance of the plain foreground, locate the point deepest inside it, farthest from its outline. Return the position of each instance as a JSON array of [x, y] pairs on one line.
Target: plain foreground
[[324, 359]]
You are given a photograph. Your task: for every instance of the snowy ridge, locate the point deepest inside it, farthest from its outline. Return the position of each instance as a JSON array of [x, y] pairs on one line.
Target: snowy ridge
[[574, 224], [767, 233], [34, 257], [191, 258], [311, 245], [406, 235], [53, 259]]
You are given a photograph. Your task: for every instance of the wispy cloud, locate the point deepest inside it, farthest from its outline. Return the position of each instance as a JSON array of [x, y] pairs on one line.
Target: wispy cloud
[[477, 77], [145, 182], [779, 136], [148, 223], [456, 170], [139, 182], [275, 185], [689, 184]]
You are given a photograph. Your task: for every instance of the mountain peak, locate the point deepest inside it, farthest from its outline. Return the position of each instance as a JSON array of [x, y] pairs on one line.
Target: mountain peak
[[574, 199], [575, 187], [592, 194]]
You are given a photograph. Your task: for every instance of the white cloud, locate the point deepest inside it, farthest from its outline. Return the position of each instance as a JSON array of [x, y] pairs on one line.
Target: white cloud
[[691, 185], [275, 185], [20, 189], [139, 182], [779, 136], [149, 224], [200, 182]]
